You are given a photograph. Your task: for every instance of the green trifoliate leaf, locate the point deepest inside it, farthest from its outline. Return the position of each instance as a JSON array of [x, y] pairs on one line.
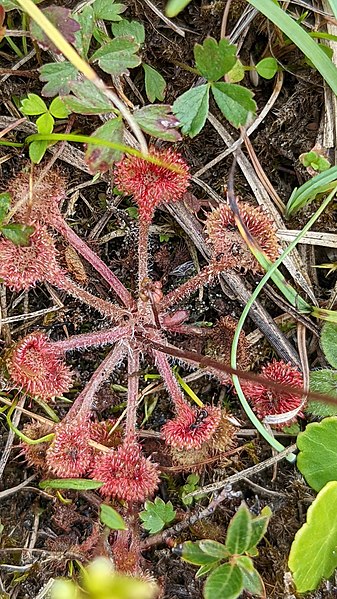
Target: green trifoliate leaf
[[108, 10], [214, 59], [100, 158], [58, 109], [313, 554], [5, 202], [235, 102], [226, 581], [267, 67], [87, 99], [157, 515], [317, 460], [118, 56], [239, 531], [125, 28], [155, 84], [111, 518], [33, 105], [57, 76], [75, 484], [328, 342], [17, 233], [157, 120], [191, 108]]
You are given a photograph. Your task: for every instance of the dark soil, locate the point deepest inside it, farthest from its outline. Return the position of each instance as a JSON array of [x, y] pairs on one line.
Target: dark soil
[[42, 535]]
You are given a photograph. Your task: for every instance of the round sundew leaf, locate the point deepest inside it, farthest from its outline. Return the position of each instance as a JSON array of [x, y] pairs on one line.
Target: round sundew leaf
[[226, 582], [313, 554], [317, 460]]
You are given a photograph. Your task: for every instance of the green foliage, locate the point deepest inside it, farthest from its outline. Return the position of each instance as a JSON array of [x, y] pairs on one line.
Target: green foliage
[[325, 381], [17, 233], [76, 484], [192, 484], [33, 105], [125, 28], [313, 554], [57, 77], [60, 17], [329, 342], [86, 99], [111, 518], [100, 581], [108, 10], [317, 460], [98, 157], [267, 67], [157, 120], [157, 515], [214, 60], [237, 574], [315, 161], [302, 196], [155, 84], [118, 56]]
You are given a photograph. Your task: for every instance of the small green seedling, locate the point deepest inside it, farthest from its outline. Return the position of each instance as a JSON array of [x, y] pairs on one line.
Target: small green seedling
[[229, 566], [157, 515], [33, 105]]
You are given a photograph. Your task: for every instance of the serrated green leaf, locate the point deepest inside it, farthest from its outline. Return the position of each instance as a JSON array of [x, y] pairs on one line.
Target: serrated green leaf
[[259, 528], [125, 28], [87, 99], [58, 109], [157, 514], [239, 531], [57, 76], [235, 102], [157, 120], [111, 518], [328, 342], [37, 150], [192, 553], [118, 56], [317, 460], [33, 105], [5, 202], [108, 10], [214, 59], [17, 233], [45, 123], [155, 84], [75, 484], [83, 36], [61, 18], [267, 67], [325, 382], [313, 554], [191, 108], [100, 158], [214, 548], [224, 582]]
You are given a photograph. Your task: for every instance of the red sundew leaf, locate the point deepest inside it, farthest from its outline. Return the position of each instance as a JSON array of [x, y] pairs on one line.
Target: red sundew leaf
[[2, 27], [61, 19]]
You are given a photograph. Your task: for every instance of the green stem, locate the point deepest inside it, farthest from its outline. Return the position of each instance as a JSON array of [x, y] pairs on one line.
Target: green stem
[[253, 418], [11, 144], [23, 437]]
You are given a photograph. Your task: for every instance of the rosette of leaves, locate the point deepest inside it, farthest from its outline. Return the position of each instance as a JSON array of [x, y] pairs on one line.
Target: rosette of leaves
[[229, 567], [325, 380], [213, 61]]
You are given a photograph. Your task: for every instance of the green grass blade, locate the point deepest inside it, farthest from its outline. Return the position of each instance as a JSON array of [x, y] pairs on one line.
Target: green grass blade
[[301, 196]]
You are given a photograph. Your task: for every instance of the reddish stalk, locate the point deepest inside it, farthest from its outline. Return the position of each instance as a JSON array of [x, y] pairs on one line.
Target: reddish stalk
[[106, 308], [169, 380], [143, 245], [133, 388], [204, 277], [90, 339], [84, 250], [83, 403]]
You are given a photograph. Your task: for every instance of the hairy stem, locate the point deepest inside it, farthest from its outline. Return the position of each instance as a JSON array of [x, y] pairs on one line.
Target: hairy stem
[[169, 379], [143, 243], [105, 308], [83, 403], [84, 250], [204, 277], [133, 387], [91, 339]]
